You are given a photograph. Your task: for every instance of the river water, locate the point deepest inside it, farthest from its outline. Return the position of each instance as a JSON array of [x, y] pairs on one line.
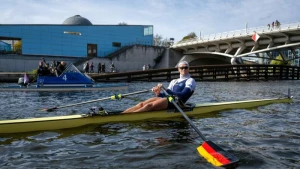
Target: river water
[[263, 137]]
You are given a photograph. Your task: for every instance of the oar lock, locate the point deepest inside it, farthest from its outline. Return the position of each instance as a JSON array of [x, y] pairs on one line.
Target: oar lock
[[170, 98], [116, 96], [97, 111]]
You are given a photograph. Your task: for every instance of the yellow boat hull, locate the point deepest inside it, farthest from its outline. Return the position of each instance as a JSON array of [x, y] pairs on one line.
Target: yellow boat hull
[[72, 121]]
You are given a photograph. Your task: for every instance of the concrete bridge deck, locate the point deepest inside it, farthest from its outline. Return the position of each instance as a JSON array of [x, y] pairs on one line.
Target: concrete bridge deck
[[239, 43]]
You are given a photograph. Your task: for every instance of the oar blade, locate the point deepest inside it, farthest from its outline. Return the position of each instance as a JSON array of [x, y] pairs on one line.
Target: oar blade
[[216, 155], [49, 110]]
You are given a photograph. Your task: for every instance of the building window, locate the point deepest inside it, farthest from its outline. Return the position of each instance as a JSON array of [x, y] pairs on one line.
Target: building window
[[116, 44], [148, 30]]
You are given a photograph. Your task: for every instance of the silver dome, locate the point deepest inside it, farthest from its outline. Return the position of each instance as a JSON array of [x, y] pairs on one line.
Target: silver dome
[[77, 20]]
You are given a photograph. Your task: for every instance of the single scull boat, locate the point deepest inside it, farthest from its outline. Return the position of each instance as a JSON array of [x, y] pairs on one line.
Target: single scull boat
[[72, 121]]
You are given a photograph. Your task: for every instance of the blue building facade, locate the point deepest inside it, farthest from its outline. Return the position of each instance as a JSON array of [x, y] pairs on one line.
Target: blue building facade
[[76, 37]]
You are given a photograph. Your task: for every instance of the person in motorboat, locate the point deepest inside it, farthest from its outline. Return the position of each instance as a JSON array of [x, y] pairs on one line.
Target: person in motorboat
[[44, 68], [60, 68], [182, 88], [43, 60], [40, 68], [47, 70]]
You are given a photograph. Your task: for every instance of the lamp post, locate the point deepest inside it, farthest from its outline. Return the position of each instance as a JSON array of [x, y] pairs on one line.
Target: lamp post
[[171, 42]]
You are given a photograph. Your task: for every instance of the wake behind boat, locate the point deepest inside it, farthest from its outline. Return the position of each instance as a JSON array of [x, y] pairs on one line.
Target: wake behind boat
[[104, 86], [72, 121], [71, 79]]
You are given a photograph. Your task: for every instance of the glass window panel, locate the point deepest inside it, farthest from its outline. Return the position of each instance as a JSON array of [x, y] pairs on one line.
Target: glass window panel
[[148, 30]]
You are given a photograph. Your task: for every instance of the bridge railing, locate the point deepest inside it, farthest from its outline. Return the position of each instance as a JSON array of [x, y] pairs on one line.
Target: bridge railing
[[208, 73], [239, 33]]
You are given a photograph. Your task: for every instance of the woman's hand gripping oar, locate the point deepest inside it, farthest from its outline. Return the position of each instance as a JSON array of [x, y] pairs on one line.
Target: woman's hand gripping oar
[[209, 150], [119, 96]]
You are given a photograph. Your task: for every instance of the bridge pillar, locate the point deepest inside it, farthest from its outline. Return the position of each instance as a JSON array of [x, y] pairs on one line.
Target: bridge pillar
[[241, 48], [205, 48], [256, 45], [229, 49], [271, 43], [287, 38], [217, 47]]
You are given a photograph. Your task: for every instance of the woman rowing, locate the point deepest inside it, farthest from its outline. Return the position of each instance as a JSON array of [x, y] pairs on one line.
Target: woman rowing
[[182, 88]]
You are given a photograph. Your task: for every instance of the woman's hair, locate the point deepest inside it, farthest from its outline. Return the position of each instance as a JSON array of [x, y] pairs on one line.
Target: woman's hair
[[183, 63]]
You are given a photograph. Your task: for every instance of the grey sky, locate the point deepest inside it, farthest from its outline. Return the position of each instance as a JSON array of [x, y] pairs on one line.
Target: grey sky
[[170, 18]]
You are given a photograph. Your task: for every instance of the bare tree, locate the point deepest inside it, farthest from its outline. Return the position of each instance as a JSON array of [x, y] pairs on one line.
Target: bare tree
[[157, 40], [122, 23]]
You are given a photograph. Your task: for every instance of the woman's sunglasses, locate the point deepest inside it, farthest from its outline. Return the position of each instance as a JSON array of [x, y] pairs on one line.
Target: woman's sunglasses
[[183, 68]]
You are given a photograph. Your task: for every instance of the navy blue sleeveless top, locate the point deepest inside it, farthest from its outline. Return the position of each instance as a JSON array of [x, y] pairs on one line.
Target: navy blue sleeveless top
[[183, 93]]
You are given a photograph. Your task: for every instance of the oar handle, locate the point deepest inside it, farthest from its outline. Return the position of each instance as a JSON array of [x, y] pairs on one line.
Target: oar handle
[[170, 99], [139, 92]]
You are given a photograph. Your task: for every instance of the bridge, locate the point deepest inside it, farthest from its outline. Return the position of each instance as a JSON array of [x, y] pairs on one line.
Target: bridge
[[221, 47]]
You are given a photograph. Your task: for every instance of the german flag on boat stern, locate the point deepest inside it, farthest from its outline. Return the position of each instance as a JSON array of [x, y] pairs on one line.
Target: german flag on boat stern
[[216, 155]]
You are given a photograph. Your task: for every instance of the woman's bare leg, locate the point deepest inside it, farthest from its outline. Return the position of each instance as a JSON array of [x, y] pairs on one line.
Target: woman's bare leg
[[159, 104], [140, 105]]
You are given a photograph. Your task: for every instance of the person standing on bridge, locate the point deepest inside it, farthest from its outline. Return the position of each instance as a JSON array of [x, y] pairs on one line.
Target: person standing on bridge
[[182, 88], [112, 67], [103, 68], [277, 23], [99, 68], [92, 68], [86, 67]]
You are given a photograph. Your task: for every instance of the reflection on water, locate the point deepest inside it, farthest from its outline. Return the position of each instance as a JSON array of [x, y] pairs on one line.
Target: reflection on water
[[263, 137]]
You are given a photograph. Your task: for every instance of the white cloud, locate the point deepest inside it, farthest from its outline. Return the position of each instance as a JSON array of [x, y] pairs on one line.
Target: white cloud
[[170, 18]]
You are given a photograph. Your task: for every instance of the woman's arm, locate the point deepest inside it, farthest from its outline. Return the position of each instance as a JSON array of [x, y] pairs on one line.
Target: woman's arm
[[184, 92]]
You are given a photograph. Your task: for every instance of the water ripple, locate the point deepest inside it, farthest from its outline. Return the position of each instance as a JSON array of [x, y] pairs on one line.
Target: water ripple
[[262, 137]]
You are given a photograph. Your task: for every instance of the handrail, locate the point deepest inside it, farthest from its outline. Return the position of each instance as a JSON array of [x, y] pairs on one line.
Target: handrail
[[208, 73], [239, 33]]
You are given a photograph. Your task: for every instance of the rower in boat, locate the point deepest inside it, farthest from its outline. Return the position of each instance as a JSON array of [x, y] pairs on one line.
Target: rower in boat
[[182, 88], [99, 116]]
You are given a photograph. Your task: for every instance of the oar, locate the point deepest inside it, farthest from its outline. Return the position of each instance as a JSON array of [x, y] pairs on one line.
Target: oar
[[119, 96], [209, 150], [134, 99]]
